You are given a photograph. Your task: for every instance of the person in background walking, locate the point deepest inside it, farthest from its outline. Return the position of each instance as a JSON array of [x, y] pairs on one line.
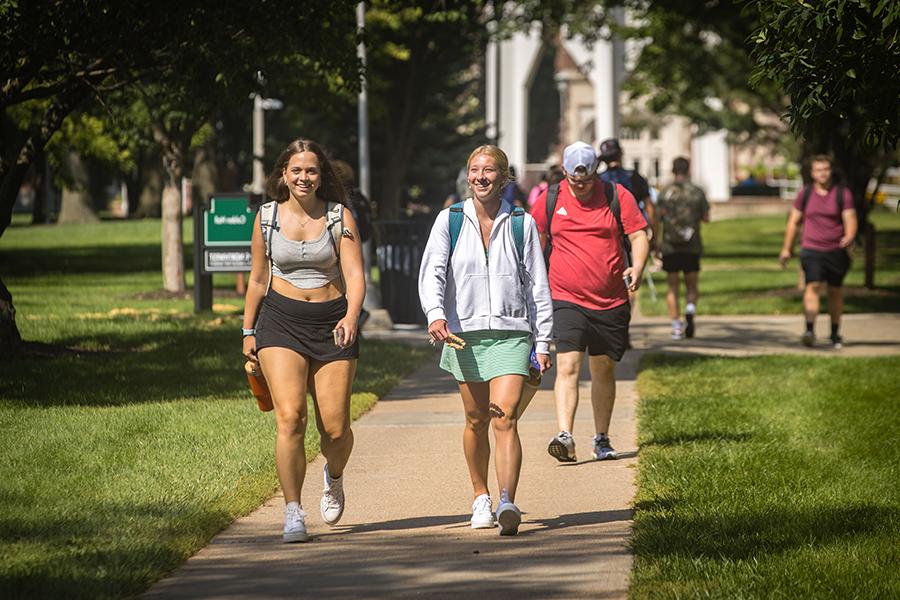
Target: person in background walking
[[301, 312], [829, 228], [477, 282], [588, 275], [512, 193], [682, 207]]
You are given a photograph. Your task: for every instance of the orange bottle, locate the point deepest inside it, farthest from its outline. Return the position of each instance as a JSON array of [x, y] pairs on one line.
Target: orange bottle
[[258, 386]]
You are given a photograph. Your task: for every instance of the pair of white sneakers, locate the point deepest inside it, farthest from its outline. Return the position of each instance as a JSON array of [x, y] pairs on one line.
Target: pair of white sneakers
[[508, 514], [331, 507]]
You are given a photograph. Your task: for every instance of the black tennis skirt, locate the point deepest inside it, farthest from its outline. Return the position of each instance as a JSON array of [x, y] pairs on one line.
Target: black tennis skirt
[[304, 327]]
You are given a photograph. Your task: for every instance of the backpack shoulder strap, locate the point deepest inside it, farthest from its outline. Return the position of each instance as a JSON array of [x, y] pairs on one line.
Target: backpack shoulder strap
[[268, 214], [334, 221], [613, 194], [806, 193], [456, 221], [552, 197], [840, 200], [518, 230]]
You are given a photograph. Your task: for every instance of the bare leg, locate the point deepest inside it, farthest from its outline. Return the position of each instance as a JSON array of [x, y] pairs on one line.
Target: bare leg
[[565, 390], [476, 445], [330, 386], [505, 393], [603, 390], [674, 281], [835, 304], [811, 300], [286, 373], [692, 287]]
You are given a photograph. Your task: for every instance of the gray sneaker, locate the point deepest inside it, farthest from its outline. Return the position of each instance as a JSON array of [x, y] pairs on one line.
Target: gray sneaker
[[562, 447], [332, 504], [603, 450], [808, 339]]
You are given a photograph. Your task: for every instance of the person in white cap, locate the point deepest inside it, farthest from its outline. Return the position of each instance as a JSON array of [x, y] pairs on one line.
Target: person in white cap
[[583, 224]]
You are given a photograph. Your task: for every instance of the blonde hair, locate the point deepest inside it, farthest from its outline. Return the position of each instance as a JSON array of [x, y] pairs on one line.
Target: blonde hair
[[499, 157]]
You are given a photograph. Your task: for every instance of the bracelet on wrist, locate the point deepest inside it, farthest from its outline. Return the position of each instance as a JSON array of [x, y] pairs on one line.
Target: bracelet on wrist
[[246, 332]]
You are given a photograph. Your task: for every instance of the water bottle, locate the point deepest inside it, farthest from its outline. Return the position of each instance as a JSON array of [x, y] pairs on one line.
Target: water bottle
[[258, 386]]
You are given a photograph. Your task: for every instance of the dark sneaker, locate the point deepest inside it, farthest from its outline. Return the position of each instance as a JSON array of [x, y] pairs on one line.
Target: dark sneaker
[[837, 342], [808, 339], [562, 447], [689, 330], [603, 450]]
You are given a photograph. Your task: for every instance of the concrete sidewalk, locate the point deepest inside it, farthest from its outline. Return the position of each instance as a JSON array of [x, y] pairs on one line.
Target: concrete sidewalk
[[405, 530]]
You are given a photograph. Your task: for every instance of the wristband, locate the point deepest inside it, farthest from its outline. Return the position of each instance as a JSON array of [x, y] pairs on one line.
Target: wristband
[[246, 332]]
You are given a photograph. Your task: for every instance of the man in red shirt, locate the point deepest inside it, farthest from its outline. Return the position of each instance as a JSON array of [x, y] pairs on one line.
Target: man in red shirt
[[829, 227], [588, 285]]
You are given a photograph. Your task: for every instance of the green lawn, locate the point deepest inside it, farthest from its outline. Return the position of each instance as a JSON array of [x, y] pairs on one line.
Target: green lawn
[[769, 477], [740, 272], [130, 436]]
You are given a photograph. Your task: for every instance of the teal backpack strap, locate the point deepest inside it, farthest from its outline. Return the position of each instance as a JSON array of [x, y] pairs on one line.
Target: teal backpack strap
[[456, 221], [518, 230]]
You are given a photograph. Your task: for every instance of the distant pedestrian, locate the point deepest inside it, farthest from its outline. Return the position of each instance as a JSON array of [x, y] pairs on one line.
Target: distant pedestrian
[[586, 221], [482, 278], [512, 193], [682, 207], [301, 312], [829, 227], [612, 154]]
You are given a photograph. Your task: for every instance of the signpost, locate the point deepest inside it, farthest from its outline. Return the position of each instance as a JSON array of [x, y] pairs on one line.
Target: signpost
[[222, 232]]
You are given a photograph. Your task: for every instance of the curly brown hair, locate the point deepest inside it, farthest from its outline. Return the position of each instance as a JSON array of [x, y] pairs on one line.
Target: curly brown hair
[[330, 189]]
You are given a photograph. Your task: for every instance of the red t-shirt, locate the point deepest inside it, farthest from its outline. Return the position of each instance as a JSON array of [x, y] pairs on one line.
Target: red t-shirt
[[823, 226], [586, 264]]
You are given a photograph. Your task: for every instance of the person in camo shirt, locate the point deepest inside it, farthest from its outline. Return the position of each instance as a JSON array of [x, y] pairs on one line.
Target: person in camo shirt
[[682, 207]]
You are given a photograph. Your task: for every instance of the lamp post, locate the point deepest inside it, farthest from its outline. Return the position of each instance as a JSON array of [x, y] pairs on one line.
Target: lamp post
[[260, 105], [373, 295]]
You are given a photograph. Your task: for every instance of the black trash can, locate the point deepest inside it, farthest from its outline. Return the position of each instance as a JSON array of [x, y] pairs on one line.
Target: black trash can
[[401, 244]]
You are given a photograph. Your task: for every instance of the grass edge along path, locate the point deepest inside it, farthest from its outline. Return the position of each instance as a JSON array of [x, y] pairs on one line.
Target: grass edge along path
[[767, 477]]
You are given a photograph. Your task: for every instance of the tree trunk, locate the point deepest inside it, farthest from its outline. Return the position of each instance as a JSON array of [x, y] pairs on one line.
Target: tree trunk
[[76, 203], [10, 339], [151, 188], [172, 237]]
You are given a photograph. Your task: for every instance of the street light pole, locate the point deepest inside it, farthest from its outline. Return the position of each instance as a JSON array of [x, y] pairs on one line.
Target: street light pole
[[373, 297], [259, 135]]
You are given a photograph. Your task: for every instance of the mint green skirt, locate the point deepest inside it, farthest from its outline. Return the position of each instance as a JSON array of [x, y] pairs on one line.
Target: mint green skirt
[[488, 354]]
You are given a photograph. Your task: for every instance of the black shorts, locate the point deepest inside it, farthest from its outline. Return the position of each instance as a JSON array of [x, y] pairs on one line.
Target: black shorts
[[830, 267], [305, 327], [681, 261], [600, 331]]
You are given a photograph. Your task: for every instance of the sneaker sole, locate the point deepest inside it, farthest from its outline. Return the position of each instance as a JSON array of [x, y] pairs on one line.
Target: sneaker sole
[[557, 450], [607, 456], [509, 522], [292, 538], [483, 524]]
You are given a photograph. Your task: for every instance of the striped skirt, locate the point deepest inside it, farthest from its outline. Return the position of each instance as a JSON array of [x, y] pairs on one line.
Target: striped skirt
[[488, 354]]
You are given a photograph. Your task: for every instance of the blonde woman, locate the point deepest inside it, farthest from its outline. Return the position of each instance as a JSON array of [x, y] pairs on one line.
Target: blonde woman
[[302, 306], [478, 281]]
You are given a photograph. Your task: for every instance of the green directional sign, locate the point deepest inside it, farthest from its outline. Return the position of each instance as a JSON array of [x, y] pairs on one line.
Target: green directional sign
[[228, 222]]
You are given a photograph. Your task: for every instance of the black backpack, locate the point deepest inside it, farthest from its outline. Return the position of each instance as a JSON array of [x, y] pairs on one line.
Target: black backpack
[[612, 195], [362, 213]]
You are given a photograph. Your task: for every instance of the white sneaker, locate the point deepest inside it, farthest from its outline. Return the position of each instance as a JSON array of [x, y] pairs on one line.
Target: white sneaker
[[562, 447], [677, 330], [508, 515], [602, 448], [482, 515], [332, 504], [294, 525]]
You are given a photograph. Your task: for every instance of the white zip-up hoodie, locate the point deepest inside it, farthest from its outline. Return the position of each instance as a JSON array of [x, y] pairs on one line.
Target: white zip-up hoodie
[[481, 291]]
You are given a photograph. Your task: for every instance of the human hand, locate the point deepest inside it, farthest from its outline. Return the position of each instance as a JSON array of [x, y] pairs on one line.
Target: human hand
[[784, 256], [438, 331], [846, 241], [632, 277], [346, 331], [545, 362], [249, 348]]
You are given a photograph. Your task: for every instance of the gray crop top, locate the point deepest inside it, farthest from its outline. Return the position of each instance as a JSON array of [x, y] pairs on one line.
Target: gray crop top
[[305, 265]]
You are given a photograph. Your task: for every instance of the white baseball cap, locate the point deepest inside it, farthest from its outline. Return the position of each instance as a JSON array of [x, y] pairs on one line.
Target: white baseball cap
[[579, 155]]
